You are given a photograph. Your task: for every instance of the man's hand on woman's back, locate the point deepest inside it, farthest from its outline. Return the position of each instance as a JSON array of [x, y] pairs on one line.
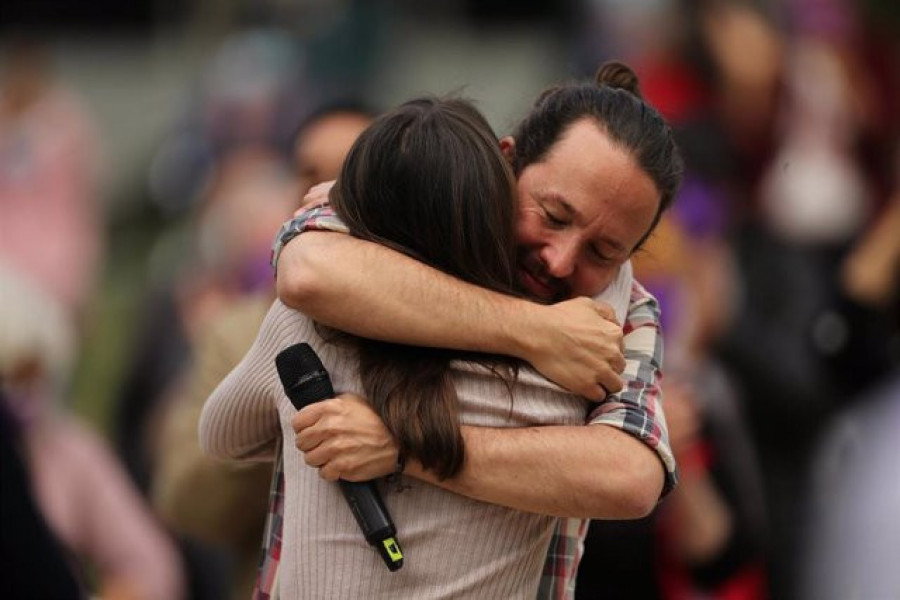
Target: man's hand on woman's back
[[577, 344]]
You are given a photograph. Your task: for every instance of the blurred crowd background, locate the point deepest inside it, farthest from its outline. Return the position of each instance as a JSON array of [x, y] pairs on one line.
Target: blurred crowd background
[[149, 150]]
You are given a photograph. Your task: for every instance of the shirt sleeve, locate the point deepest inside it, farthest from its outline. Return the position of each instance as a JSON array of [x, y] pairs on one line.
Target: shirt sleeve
[[319, 218], [637, 409]]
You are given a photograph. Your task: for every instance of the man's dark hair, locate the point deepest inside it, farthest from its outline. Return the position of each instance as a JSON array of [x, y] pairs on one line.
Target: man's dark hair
[[614, 102], [428, 179]]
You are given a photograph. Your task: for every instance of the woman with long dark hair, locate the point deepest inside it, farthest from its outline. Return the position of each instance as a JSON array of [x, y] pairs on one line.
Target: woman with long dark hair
[[427, 179]]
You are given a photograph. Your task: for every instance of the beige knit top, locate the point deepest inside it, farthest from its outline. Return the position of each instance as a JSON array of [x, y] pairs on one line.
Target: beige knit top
[[453, 547]]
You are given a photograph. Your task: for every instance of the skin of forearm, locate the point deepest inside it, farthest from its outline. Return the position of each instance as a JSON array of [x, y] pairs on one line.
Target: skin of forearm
[[594, 471], [367, 289], [371, 291]]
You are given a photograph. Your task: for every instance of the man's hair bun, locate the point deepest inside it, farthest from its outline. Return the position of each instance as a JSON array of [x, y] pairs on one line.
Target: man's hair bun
[[618, 75]]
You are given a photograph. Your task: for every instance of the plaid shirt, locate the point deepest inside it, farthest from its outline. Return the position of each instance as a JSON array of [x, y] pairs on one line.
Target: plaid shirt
[[636, 409], [266, 587]]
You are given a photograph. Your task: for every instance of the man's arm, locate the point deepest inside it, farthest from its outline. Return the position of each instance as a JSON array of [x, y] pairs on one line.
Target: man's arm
[[375, 292], [617, 467], [588, 472]]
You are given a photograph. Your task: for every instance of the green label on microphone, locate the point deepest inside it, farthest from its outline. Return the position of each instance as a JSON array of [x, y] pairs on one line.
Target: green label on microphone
[[393, 550]]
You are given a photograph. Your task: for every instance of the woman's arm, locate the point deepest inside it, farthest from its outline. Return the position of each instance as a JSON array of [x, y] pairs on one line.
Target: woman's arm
[[240, 419]]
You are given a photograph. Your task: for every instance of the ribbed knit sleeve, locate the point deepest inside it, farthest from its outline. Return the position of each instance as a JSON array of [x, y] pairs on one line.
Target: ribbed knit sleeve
[[240, 418]]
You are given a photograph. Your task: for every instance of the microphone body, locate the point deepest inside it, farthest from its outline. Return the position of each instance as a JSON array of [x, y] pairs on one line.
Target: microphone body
[[305, 382]]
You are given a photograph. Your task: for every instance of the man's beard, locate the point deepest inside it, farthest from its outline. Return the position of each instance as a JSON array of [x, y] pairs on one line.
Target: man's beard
[[533, 276]]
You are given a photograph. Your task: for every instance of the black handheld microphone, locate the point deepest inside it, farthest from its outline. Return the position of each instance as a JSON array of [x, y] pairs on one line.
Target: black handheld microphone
[[306, 381]]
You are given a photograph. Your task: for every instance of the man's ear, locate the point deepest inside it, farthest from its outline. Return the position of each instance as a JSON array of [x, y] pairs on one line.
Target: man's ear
[[508, 148]]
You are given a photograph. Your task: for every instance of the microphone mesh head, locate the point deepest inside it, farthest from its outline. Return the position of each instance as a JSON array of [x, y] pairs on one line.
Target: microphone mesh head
[[295, 361], [303, 375]]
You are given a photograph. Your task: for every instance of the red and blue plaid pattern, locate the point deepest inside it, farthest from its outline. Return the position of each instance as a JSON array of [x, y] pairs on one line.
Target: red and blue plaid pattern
[[267, 573]]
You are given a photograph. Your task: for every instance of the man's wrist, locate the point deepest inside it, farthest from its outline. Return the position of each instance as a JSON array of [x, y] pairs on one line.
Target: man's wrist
[[520, 328], [316, 218]]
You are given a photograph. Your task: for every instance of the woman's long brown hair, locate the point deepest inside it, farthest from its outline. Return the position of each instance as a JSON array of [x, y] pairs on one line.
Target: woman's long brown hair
[[428, 179]]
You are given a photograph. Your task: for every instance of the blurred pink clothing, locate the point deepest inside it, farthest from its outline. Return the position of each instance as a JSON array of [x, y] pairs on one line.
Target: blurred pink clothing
[[92, 507], [49, 221]]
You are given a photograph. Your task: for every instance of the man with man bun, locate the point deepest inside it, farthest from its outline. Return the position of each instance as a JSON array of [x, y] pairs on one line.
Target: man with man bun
[[596, 166]]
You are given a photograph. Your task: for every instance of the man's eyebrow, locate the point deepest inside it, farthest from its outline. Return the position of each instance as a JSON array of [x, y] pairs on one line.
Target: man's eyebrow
[[570, 211], [614, 244], [559, 200]]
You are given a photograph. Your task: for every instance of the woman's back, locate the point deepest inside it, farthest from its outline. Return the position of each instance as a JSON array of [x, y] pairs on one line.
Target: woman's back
[[453, 546], [429, 180]]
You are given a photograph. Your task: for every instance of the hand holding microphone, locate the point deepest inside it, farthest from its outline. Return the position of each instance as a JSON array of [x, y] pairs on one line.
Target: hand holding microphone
[[305, 382], [345, 438]]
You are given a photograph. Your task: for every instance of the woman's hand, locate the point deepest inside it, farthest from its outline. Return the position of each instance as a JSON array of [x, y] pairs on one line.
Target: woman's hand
[[345, 439]]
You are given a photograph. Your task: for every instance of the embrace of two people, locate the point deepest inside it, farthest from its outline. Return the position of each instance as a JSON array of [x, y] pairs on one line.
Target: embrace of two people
[[479, 322]]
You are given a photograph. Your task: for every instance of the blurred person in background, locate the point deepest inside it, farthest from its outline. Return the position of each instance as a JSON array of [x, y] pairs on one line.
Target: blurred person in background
[[50, 222], [251, 90], [240, 115], [852, 540], [708, 538], [221, 503], [33, 562], [871, 270], [324, 139], [565, 230], [251, 189], [221, 179], [80, 487], [252, 192], [800, 347], [786, 116], [851, 537]]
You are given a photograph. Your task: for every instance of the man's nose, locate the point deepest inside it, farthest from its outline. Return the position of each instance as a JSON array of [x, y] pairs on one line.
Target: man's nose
[[560, 257]]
